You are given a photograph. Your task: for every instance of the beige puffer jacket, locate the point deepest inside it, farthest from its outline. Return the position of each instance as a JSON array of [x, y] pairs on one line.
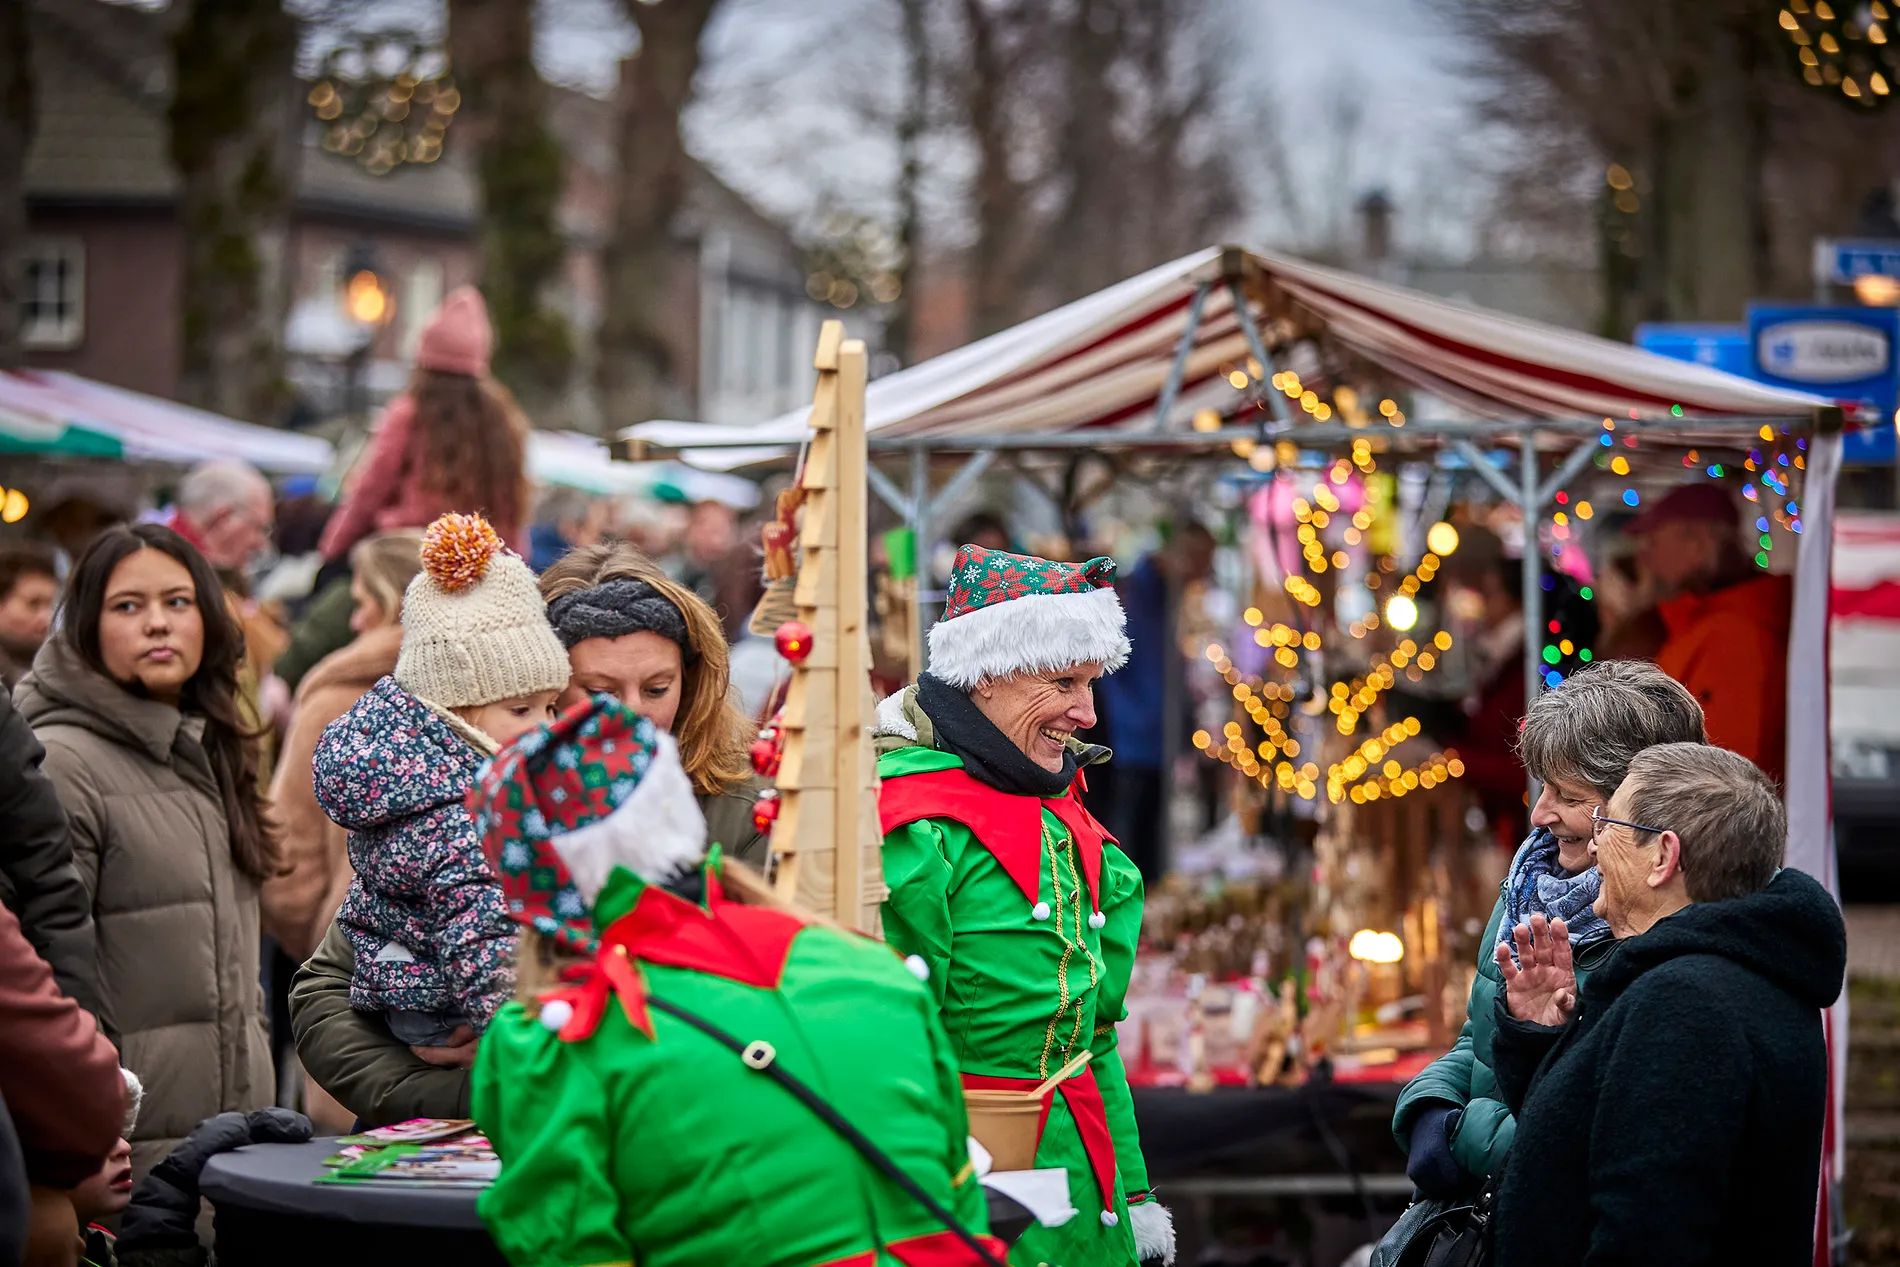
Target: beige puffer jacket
[[177, 923]]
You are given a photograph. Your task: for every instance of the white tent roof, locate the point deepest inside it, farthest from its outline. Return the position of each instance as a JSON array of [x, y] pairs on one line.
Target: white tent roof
[[148, 428], [1101, 362]]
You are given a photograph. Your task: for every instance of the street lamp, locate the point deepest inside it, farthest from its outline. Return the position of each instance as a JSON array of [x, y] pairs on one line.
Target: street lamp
[[366, 301]]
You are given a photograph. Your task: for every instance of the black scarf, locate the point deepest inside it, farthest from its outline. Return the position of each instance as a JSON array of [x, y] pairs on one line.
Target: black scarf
[[987, 753]]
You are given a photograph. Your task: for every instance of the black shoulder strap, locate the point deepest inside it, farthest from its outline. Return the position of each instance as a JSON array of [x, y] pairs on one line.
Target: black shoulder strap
[[760, 1057]]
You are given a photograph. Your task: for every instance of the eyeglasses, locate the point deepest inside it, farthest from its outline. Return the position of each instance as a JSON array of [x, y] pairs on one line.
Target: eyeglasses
[[1597, 821]]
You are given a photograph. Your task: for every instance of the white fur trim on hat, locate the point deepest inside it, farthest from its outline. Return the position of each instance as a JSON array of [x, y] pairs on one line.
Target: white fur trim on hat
[[1154, 1231], [134, 1097], [1032, 634], [656, 833]]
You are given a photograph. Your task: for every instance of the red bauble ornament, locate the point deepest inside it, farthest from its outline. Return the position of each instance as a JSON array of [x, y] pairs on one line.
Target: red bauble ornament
[[793, 641], [765, 757], [765, 813]]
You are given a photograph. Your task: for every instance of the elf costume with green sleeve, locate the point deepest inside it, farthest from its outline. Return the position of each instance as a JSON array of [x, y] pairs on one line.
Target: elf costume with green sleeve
[[628, 1135], [1024, 909]]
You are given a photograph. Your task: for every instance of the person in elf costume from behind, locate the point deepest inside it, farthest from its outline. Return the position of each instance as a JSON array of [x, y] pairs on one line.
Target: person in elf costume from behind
[[629, 1129], [1023, 908]]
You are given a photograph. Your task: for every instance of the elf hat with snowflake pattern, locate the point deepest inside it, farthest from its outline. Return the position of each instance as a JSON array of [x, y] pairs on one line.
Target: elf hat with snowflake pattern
[[1013, 613], [558, 810]]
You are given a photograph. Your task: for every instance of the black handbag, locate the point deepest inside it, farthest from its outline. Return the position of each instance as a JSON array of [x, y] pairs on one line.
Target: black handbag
[[1454, 1235]]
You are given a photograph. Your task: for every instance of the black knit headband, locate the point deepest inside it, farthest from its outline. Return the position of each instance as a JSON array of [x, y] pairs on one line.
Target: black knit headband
[[614, 609]]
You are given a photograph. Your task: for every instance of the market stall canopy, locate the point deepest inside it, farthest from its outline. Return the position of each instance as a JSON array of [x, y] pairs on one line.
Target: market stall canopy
[[1103, 362], [569, 459], [63, 415]]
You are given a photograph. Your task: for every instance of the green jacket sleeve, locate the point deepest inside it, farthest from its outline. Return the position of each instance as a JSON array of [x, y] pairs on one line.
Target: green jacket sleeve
[[1450, 1079], [968, 1202], [541, 1105], [918, 870], [1121, 896], [352, 1054]]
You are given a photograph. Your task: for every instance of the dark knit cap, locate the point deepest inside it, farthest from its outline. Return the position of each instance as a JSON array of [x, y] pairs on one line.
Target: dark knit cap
[[614, 609]]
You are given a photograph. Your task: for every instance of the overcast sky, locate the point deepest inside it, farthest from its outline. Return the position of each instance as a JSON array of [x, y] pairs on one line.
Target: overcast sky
[[784, 140]]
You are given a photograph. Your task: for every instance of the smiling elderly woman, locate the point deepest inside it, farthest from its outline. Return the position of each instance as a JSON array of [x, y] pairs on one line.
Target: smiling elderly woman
[[1670, 1108], [1578, 741], [1021, 909]]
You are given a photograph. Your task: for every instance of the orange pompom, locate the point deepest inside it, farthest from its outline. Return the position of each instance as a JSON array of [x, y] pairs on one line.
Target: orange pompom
[[456, 550]]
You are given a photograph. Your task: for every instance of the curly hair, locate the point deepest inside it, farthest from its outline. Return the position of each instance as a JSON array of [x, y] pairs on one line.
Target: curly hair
[[477, 422], [714, 736], [230, 742]]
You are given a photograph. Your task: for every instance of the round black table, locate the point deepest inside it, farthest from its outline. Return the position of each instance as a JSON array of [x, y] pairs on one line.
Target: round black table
[[269, 1210]]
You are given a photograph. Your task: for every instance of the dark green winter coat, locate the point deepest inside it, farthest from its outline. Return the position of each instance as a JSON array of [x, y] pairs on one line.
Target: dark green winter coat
[[1462, 1076]]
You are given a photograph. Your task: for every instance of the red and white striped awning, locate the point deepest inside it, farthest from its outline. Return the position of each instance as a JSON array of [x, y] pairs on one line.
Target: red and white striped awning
[[1101, 362]]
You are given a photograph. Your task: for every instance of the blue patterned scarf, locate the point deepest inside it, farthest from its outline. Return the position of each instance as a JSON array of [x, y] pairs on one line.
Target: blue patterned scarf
[[1537, 884]]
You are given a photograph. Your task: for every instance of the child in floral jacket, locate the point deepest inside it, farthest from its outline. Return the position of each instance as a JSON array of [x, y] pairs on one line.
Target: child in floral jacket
[[479, 665]]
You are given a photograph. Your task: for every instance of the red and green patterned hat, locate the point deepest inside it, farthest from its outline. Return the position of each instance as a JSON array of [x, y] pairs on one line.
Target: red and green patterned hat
[[562, 807], [1013, 613]]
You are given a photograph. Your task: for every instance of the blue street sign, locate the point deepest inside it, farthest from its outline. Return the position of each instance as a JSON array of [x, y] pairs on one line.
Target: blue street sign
[[1840, 262], [1845, 353], [1718, 347]]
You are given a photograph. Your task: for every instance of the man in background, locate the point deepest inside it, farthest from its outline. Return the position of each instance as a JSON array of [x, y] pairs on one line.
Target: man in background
[[1724, 622], [29, 587], [566, 519], [1146, 698], [225, 509]]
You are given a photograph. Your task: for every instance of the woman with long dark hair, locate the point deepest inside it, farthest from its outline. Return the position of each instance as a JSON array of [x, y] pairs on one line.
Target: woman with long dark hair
[[136, 701], [454, 439]]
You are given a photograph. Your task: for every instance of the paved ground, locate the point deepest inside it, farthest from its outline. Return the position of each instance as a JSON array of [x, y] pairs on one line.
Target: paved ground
[[1872, 1196], [1873, 941]]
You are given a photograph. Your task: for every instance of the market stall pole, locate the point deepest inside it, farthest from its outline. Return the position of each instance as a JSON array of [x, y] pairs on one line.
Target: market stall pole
[[825, 838]]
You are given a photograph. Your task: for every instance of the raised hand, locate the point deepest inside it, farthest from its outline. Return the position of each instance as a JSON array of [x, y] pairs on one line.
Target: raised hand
[[1540, 985]]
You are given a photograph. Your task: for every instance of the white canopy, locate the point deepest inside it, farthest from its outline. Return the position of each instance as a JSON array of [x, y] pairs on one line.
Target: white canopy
[[1102, 362]]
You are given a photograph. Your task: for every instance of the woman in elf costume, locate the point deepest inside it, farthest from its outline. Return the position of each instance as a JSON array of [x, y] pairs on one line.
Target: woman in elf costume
[[1022, 907], [629, 1130]]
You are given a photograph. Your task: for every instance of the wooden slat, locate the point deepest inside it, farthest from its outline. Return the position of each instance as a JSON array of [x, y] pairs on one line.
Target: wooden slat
[[830, 339]]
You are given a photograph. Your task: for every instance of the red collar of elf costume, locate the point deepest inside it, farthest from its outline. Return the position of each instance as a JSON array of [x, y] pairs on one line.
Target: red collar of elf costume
[[746, 944], [1009, 826]]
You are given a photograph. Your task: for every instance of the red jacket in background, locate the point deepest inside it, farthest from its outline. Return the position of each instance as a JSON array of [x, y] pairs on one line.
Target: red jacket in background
[[58, 1073], [1730, 649], [389, 491]]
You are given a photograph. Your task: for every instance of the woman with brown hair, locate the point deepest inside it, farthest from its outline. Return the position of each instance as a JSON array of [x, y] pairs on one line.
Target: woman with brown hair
[[454, 439], [136, 702], [300, 903], [633, 633]]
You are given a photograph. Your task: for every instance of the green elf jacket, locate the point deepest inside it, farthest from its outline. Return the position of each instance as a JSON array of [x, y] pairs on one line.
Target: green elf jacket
[[631, 1137], [1027, 915], [1462, 1076]]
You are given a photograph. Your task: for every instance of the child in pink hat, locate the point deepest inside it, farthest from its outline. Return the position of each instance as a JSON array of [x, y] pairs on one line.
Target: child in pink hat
[[452, 440]]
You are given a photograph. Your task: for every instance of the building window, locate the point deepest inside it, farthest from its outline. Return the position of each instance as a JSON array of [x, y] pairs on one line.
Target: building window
[[53, 303]]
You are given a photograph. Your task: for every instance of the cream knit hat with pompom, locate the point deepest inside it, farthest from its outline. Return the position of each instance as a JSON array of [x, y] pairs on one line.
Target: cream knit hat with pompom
[[474, 629]]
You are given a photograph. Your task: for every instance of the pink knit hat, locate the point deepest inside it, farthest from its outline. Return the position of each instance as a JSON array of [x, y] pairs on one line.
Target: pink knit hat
[[458, 338]]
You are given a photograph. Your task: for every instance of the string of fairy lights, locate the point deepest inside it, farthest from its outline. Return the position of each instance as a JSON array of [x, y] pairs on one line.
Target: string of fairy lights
[[1328, 537]]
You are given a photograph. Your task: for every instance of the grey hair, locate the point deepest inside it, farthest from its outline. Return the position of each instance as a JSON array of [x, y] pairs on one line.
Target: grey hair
[[222, 484], [560, 504], [1732, 824], [1593, 724]]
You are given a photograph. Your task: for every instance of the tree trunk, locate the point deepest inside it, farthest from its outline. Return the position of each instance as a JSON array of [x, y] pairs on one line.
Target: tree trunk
[[635, 366], [1713, 234], [232, 143], [996, 288], [522, 174], [1088, 231], [899, 331]]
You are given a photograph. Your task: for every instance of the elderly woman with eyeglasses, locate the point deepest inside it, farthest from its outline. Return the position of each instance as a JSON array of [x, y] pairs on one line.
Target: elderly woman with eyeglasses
[[1670, 1107], [1577, 741]]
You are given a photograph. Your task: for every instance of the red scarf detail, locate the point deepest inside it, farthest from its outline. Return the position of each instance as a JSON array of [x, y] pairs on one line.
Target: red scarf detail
[[1010, 827], [747, 944]]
